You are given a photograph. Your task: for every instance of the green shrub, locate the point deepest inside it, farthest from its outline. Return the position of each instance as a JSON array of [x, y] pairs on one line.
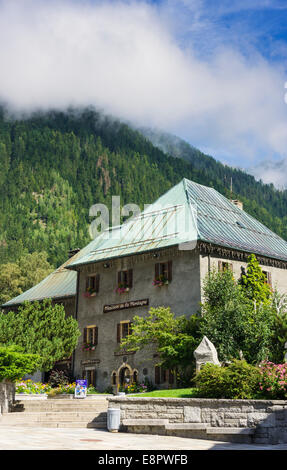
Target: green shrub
[[14, 364], [238, 380], [210, 381]]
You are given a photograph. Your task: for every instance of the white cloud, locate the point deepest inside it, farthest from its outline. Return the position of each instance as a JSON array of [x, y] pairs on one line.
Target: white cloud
[[124, 57]]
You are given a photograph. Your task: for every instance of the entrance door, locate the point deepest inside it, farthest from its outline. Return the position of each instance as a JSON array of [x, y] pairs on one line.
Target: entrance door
[[124, 376]]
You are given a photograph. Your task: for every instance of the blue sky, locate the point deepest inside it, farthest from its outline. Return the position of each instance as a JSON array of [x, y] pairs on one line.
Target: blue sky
[[211, 72]]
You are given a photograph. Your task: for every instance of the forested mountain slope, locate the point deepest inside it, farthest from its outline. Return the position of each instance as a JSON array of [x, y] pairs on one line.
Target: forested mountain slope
[[54, 166]]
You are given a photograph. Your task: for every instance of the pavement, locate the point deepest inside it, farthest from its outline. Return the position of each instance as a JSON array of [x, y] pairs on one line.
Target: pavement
[[33, 438]]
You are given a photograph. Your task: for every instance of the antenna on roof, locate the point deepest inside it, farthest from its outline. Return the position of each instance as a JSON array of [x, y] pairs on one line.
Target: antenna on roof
[[231, 188]]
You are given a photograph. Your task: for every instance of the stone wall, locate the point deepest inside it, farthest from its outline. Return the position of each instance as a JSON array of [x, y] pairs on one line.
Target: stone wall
[[267, 418], [7, 396]]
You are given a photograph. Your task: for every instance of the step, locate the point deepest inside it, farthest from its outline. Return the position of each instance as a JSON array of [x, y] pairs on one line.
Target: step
[[231, 431], [145, 422], [58, 408], [62, 424], [186, 426], [68, 416], [50, 419]]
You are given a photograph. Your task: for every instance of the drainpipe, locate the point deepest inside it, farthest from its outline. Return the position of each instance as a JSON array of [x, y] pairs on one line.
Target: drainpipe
[[76, 316]]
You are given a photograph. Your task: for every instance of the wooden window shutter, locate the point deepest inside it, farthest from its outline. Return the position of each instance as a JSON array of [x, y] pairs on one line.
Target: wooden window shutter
[[169, 270], [156, 271], [96, 335], [269, 279], [87, 283], [163, 375], [118, 333], [130, 278], [119, 277], [97, 283], [95, 378], [157, 375], [220, 266], [85, 335]]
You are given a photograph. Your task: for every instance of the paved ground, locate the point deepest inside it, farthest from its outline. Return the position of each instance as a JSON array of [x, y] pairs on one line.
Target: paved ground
[[32, 438]]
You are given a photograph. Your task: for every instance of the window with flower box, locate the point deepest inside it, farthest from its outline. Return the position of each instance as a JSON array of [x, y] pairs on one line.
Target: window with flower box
[[163, 274], [90, 338], [92, 285], [125, 281]]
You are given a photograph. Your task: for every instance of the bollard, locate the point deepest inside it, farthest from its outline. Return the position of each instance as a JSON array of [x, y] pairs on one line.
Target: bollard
[[113, 419]]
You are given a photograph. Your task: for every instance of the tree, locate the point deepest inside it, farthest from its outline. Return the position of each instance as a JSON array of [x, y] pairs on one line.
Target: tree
[[254, 282], [41, 328], [279, 303], [233, 322], [173, 337], [14, 364], [29, 270]]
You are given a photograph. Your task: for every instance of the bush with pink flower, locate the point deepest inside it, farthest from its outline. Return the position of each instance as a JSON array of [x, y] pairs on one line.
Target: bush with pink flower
[[273, 380]]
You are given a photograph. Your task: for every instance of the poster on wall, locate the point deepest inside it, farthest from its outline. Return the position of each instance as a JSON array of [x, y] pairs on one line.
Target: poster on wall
[[81, 389]]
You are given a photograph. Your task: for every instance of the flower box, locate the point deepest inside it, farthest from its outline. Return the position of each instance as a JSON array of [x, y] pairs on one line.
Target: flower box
[[89, 294], [158, 282], [122, 290], [89, 347]]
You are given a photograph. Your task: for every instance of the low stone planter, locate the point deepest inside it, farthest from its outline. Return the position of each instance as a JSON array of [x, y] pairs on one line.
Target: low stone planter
[[66, 396]]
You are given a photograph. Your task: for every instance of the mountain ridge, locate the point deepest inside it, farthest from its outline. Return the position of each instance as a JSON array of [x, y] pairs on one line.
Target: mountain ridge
[[55, 165]]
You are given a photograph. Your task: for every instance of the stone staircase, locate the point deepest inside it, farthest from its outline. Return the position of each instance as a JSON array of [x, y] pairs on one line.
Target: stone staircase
[[58, 413]]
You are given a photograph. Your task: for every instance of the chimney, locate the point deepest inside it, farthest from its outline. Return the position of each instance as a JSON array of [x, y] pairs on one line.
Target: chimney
[[237, 203]]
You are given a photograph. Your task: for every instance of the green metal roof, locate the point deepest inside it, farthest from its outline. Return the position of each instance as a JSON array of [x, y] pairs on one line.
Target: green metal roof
[[59, 284], [187, 213]]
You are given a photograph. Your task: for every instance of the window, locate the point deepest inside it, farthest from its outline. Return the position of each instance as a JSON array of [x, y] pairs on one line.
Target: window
[[163, 376], [114, 378], [124, 329], [224, 266], [268, 278], [163, 271], [91, 377], [125, 279], [93, 284], [91, 335]]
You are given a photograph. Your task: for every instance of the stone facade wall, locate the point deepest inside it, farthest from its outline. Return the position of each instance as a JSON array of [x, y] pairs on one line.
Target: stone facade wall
[[7, 396], [182, 295], [269, 418], [278, 275]]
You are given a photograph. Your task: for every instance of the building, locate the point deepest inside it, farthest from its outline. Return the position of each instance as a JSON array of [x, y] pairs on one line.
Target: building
[[185, 233], [158, 258]]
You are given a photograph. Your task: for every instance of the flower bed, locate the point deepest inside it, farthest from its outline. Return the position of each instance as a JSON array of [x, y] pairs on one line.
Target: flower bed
[[28, 387], [133, 388], [37, 389]]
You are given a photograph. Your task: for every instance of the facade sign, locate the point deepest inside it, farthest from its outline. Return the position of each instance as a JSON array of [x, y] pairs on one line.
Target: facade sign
[[81, 389], [90, 362], [123, 305]]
